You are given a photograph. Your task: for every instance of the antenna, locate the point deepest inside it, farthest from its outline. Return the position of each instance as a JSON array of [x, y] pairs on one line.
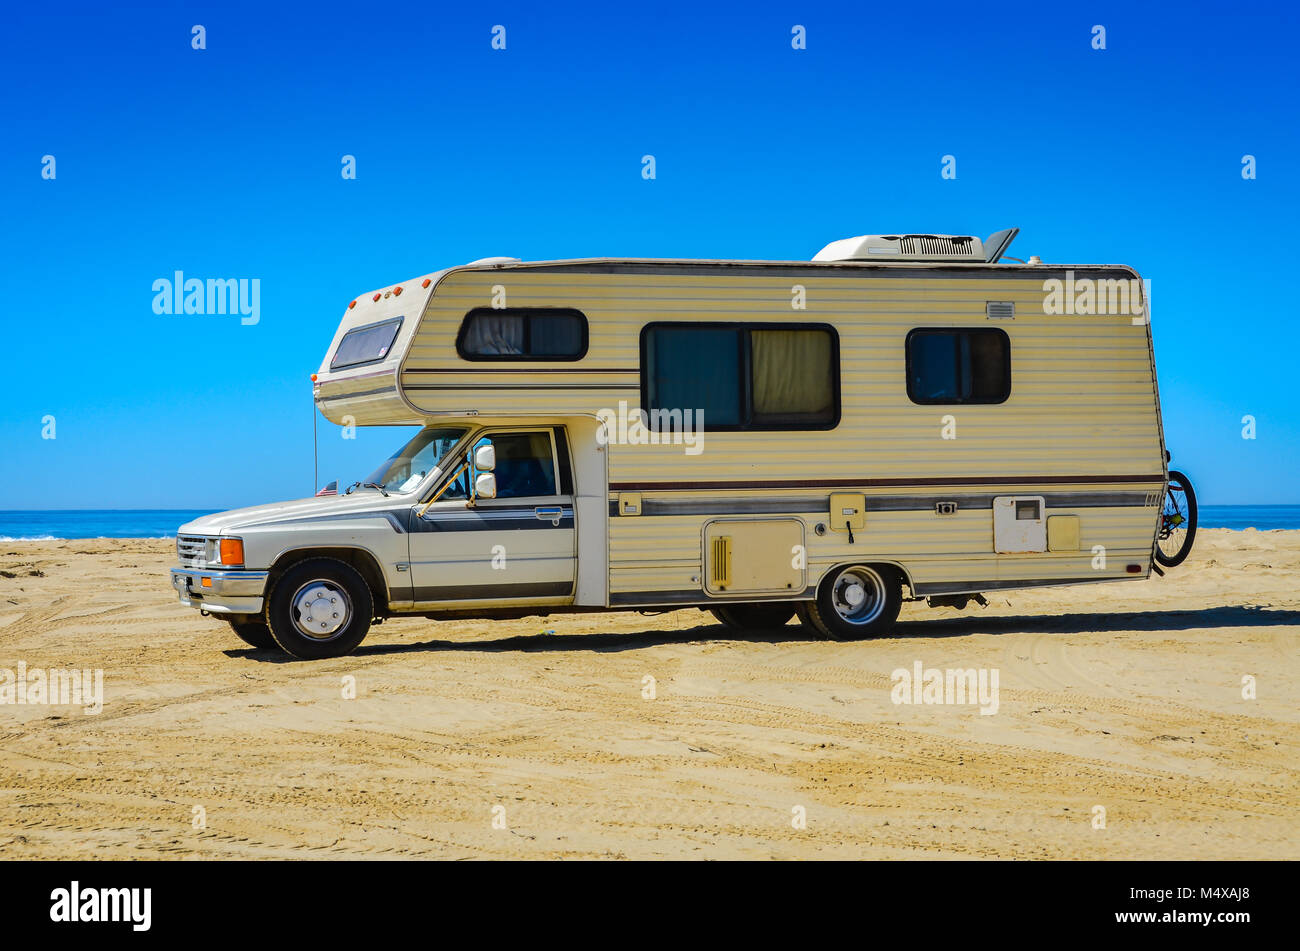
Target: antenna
[[315, 446]]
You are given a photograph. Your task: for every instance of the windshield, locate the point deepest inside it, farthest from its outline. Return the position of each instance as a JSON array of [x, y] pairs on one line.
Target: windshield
[[407, 467]]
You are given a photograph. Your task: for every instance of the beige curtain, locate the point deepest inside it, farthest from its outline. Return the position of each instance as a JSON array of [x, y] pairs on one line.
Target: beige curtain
[[495, 335], [792, 373]]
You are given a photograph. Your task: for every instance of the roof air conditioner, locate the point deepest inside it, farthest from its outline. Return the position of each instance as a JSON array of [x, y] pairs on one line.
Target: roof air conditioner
[[918, 247]]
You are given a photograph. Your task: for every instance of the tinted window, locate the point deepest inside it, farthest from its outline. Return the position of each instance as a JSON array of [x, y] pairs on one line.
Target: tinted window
[[696, 368], [958, 366], [524, 464], [404, 469], [742, 376], [365, 344], [523, 333]]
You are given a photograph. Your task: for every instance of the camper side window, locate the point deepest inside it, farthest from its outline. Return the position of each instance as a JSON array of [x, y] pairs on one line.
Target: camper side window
[[740, 376], [958, 366], [523, 333], [362, 345]]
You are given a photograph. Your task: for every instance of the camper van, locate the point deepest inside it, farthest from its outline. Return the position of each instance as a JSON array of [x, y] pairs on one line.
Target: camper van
[[910, 416]]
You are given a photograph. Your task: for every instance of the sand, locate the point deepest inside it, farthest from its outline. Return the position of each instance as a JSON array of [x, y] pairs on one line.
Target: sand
[[532, 738]]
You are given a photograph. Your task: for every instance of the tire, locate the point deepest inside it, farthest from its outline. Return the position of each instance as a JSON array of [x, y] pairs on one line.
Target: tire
[[254, 634], [833, 613], [755, 617], [339, 595], [1174, 542]]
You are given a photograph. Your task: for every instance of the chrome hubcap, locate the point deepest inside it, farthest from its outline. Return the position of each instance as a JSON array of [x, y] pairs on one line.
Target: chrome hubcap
[[321, 609], [858, 594]]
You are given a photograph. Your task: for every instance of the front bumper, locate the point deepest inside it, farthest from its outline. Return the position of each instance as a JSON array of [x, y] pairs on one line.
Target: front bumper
[[220, 591]]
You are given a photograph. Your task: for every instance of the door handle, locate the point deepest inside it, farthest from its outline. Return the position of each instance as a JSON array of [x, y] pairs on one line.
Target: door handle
[[550, 514]]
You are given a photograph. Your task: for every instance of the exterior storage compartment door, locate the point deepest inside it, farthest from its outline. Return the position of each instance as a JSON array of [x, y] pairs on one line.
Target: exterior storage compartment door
[[753, 556], [1019, 524]]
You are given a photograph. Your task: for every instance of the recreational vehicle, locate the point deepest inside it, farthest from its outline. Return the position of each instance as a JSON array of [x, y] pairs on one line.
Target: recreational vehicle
[[903, 417]]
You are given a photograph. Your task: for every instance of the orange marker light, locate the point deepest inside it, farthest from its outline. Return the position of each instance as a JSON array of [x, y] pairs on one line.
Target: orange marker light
[[353, 304], [232, 551], [397, 290], [313, 377], [426, 283], [376, 297], [206, 582]]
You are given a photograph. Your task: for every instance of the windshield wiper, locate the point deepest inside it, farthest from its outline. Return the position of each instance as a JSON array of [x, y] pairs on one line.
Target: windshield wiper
[[367, 485]]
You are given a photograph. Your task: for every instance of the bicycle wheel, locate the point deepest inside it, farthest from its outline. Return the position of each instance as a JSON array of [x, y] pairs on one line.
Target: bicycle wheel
[[1177, 521]]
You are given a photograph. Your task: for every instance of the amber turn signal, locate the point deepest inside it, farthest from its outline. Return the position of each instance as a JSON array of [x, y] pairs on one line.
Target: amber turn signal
[[232, 551]]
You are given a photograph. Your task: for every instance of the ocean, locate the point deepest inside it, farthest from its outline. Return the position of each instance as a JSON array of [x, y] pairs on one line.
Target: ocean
[[1262, 517], [95, 523], [162, 523]]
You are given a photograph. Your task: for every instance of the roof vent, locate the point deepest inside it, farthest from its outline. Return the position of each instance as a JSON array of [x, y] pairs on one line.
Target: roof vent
[[918, 247]]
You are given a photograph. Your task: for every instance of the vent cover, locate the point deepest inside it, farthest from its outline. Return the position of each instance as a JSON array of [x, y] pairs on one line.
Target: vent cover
[[1000, 309], [720, 562], [935, 245]]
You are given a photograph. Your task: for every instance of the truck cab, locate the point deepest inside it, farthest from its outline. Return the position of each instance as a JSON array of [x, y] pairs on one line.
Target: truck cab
[[462, 520]]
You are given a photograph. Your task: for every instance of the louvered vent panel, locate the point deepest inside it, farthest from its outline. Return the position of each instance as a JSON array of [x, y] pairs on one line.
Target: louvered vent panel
[[939, 245], [720, 562]]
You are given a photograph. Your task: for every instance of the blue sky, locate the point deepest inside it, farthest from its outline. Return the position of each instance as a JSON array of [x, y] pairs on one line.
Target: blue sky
[[226, 163]]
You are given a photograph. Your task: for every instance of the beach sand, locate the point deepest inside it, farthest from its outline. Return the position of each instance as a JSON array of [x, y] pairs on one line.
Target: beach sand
[[1126, 696]]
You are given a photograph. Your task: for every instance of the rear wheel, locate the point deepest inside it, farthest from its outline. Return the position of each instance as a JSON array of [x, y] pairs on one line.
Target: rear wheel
[[320, 608], [1177, 521], [253, 633], [856, 602], [754, 617]]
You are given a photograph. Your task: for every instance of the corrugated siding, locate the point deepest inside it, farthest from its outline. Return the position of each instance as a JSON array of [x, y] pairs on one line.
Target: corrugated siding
[[1082, 405], [663, 552], [1082, 391]]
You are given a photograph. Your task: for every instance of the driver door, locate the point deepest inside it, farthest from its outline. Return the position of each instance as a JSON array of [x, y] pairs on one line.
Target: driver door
[[515, 550]]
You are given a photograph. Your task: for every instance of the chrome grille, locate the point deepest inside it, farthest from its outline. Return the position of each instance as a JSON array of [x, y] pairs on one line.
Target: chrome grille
[[191, 549]]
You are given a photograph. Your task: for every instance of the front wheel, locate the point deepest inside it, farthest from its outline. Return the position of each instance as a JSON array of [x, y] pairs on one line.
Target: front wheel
[[1177, 521], [320, 608], [253, 633], [856, 602]]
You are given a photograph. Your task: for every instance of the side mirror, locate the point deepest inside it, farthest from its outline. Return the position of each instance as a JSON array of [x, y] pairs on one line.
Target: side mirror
[[485, 458], [485, 486]]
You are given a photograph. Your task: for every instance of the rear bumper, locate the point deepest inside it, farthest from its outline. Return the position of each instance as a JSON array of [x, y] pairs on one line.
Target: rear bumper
[[223, 591]]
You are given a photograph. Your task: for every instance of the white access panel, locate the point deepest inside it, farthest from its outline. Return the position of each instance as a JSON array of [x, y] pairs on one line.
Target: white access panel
[[1019, 524]]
